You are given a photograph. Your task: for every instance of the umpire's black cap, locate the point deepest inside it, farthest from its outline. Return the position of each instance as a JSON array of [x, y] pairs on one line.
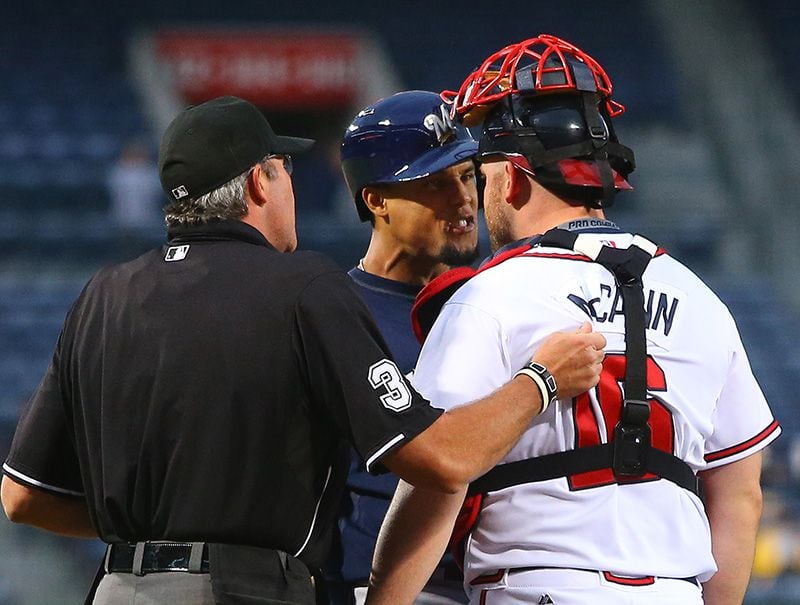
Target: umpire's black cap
[[207, 145]]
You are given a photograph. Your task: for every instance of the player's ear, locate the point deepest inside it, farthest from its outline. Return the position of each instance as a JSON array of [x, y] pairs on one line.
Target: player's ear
[[374, 200], [518, 186]]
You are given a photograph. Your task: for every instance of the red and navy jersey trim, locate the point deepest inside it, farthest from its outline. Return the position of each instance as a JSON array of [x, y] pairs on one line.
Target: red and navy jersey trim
[[745, 445], [488, 578], [626, 581], [561, 256], [575, 256]]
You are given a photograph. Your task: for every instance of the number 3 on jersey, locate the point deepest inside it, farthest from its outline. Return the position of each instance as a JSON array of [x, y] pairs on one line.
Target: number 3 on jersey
[[385, 374], [609, 398]]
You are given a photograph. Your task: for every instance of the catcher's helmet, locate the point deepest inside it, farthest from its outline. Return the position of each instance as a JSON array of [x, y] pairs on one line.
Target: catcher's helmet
[[546, 105], [401, 138]]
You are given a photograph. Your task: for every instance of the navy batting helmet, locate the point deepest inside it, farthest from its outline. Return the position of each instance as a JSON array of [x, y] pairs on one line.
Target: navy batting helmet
[[401, 138]]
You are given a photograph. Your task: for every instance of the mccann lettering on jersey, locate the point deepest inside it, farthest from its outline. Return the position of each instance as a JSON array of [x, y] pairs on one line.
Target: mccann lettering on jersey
[[175, 253], [661, 303]]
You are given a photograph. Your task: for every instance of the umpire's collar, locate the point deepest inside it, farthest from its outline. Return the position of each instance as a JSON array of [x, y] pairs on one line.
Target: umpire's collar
[[216, 230]]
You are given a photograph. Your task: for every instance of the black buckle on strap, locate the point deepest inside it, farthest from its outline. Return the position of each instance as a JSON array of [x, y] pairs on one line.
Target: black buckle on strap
[[631, 440]]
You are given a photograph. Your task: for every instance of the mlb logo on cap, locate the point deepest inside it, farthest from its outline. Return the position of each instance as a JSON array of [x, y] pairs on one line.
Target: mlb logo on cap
[[180, 192]]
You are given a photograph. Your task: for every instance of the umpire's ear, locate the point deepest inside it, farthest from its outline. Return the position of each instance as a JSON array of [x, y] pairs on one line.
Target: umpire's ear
[[256, 188]]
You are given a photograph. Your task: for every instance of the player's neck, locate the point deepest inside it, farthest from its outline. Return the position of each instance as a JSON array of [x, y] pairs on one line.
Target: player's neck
[[392, 262], [535, 223]]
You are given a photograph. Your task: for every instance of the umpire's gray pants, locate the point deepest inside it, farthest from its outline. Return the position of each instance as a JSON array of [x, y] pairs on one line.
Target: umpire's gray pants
[[167, 588]]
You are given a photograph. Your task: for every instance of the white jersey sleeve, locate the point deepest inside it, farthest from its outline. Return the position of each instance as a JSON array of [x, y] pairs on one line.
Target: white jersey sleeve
[[481, 338], [742, 420], [464, 357]]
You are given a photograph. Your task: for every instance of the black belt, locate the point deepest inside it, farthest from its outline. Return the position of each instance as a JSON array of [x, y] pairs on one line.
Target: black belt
[[140, 558]]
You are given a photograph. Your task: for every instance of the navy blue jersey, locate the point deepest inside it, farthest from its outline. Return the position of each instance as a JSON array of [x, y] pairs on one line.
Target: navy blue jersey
[[390, 303]]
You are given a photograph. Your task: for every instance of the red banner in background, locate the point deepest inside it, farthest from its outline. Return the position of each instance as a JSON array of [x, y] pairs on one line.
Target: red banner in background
[[278, 69]]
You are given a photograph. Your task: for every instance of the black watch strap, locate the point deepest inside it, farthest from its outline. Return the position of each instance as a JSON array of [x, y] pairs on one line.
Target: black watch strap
[[543, 379]]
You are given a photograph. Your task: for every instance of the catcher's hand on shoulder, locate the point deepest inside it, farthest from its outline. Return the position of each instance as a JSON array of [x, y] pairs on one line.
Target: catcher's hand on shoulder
[[574, 359]]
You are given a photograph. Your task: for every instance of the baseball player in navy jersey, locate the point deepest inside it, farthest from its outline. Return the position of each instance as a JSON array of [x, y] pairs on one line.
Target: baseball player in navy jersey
[[411, 172], [598, 502]]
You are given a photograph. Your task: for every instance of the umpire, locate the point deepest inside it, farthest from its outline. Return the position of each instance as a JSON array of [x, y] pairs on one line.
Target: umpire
[[196, 412]]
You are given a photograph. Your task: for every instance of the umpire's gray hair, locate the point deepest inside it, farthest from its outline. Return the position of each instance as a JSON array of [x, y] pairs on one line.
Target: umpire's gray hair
[[225, 202]]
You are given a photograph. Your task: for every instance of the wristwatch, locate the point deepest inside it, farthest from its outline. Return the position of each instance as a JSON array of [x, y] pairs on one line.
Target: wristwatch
[[543, 379]]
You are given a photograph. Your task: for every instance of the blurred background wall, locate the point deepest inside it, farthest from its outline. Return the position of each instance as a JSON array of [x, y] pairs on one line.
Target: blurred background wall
[[712, 90]]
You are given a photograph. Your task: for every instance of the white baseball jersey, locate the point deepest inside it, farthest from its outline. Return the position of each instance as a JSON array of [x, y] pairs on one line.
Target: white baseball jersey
[[706, 408]]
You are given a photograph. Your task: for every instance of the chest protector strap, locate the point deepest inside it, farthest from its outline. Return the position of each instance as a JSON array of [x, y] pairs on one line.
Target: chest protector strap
[[630, 453]]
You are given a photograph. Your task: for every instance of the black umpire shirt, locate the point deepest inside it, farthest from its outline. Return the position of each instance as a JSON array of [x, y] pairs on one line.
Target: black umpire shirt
[[206, 390]]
